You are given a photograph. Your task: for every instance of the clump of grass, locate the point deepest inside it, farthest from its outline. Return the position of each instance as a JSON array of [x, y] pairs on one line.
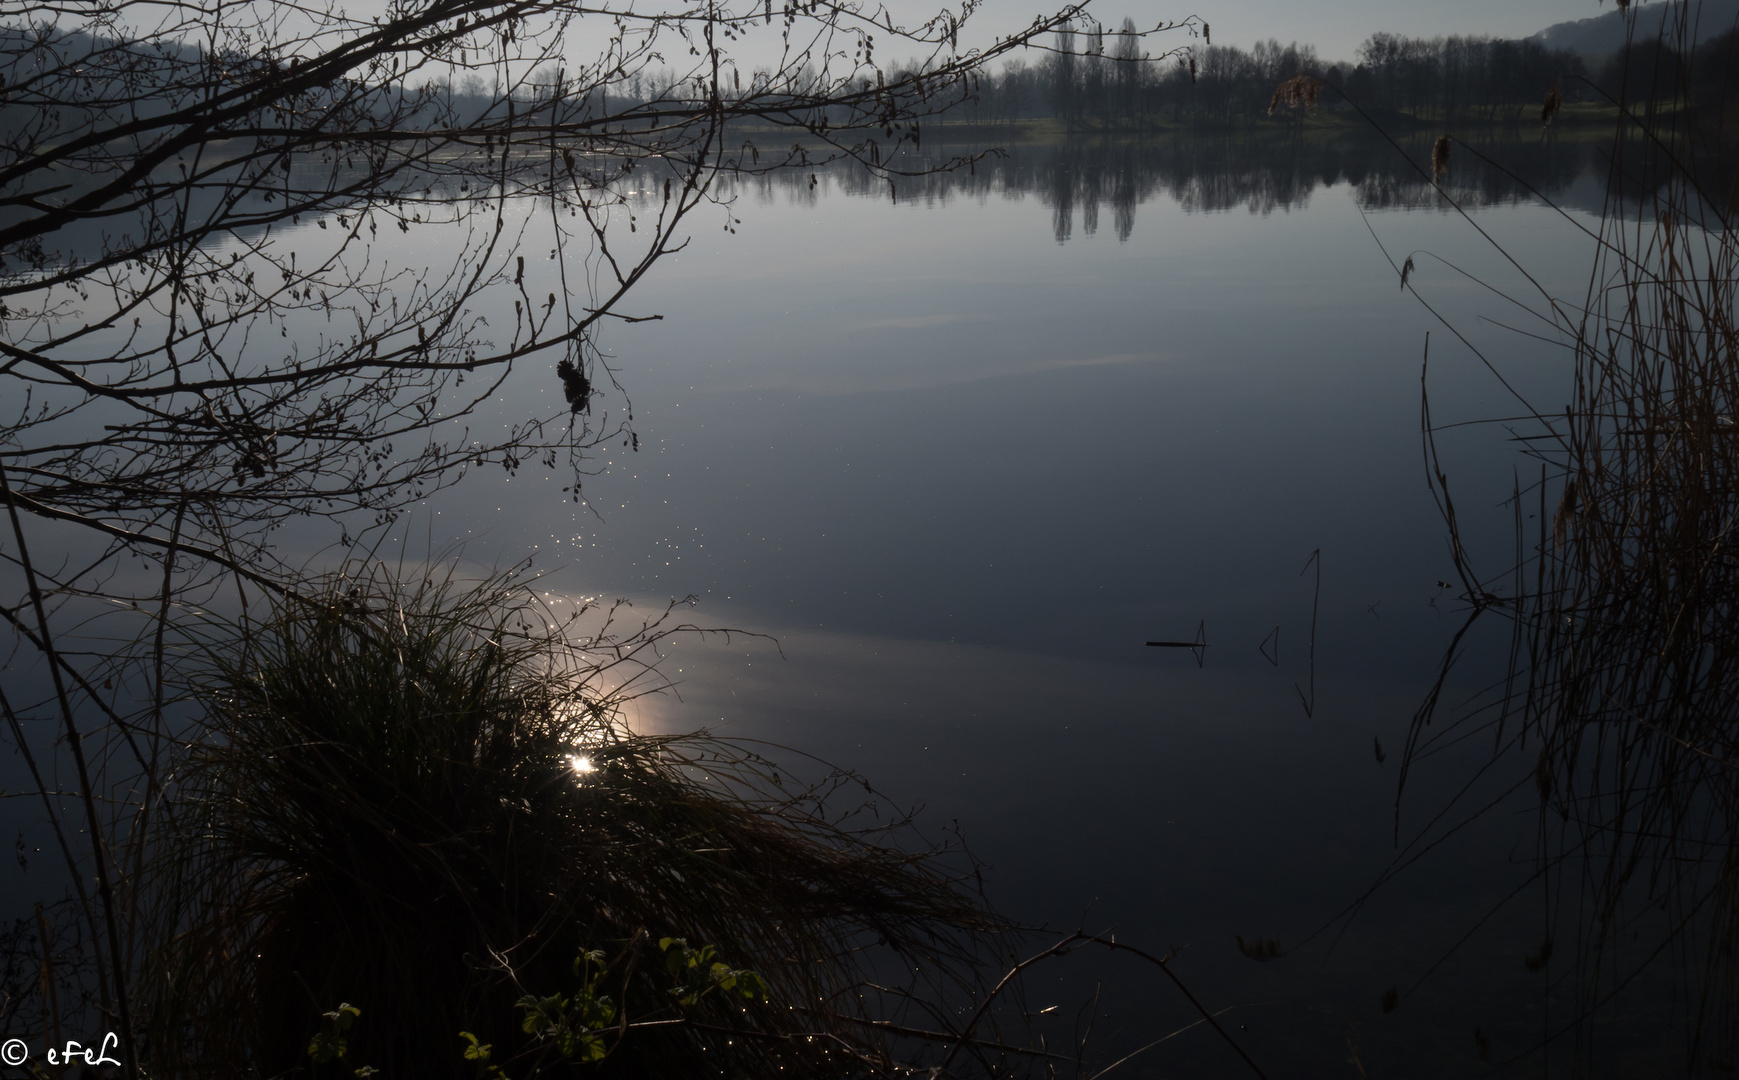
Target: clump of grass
[[423, 801]]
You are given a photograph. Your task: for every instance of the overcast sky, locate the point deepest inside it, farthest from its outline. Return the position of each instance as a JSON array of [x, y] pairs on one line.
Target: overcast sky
[[1335, 27]]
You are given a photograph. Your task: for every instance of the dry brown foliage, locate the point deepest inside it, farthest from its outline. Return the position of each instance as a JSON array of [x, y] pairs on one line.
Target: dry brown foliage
[[1440, 157], [1299, 92]]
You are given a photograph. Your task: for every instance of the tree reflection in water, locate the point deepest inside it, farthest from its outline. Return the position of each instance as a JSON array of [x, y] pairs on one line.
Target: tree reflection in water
[[1075, 178]]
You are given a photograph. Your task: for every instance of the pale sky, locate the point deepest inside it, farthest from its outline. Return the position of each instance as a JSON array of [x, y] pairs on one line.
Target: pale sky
[[1335, 27]]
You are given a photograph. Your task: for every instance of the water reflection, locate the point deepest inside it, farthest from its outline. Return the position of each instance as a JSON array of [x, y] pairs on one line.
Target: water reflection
[[1208, 174], [1076, 179]]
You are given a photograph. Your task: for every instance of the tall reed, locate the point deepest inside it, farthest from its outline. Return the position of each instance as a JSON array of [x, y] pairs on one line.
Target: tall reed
[[1623, 680]]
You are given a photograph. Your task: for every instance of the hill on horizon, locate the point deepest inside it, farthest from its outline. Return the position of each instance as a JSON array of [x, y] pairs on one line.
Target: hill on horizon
[[1603, 35]]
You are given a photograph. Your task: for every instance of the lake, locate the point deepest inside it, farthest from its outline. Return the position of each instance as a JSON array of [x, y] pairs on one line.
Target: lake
[[962, 448]]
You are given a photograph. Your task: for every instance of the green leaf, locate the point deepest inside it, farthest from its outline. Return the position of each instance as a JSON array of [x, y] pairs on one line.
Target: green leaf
[[476, 1051], [593, 1050], [327, 1046], [343, 1016], [542, 1014], [589, 957], [676, 951], [751, 985]]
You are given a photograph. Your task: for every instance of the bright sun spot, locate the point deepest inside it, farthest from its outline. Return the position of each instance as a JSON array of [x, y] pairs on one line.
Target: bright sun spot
[[580, 762]]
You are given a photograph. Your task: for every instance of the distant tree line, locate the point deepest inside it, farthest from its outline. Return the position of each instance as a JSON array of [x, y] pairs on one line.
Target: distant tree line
[[1451, 79], [1089, 77], [1094, 78], [1655, 69]]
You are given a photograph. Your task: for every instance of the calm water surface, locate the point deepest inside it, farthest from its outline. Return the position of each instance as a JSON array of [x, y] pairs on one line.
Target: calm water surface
[[965, 451]]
